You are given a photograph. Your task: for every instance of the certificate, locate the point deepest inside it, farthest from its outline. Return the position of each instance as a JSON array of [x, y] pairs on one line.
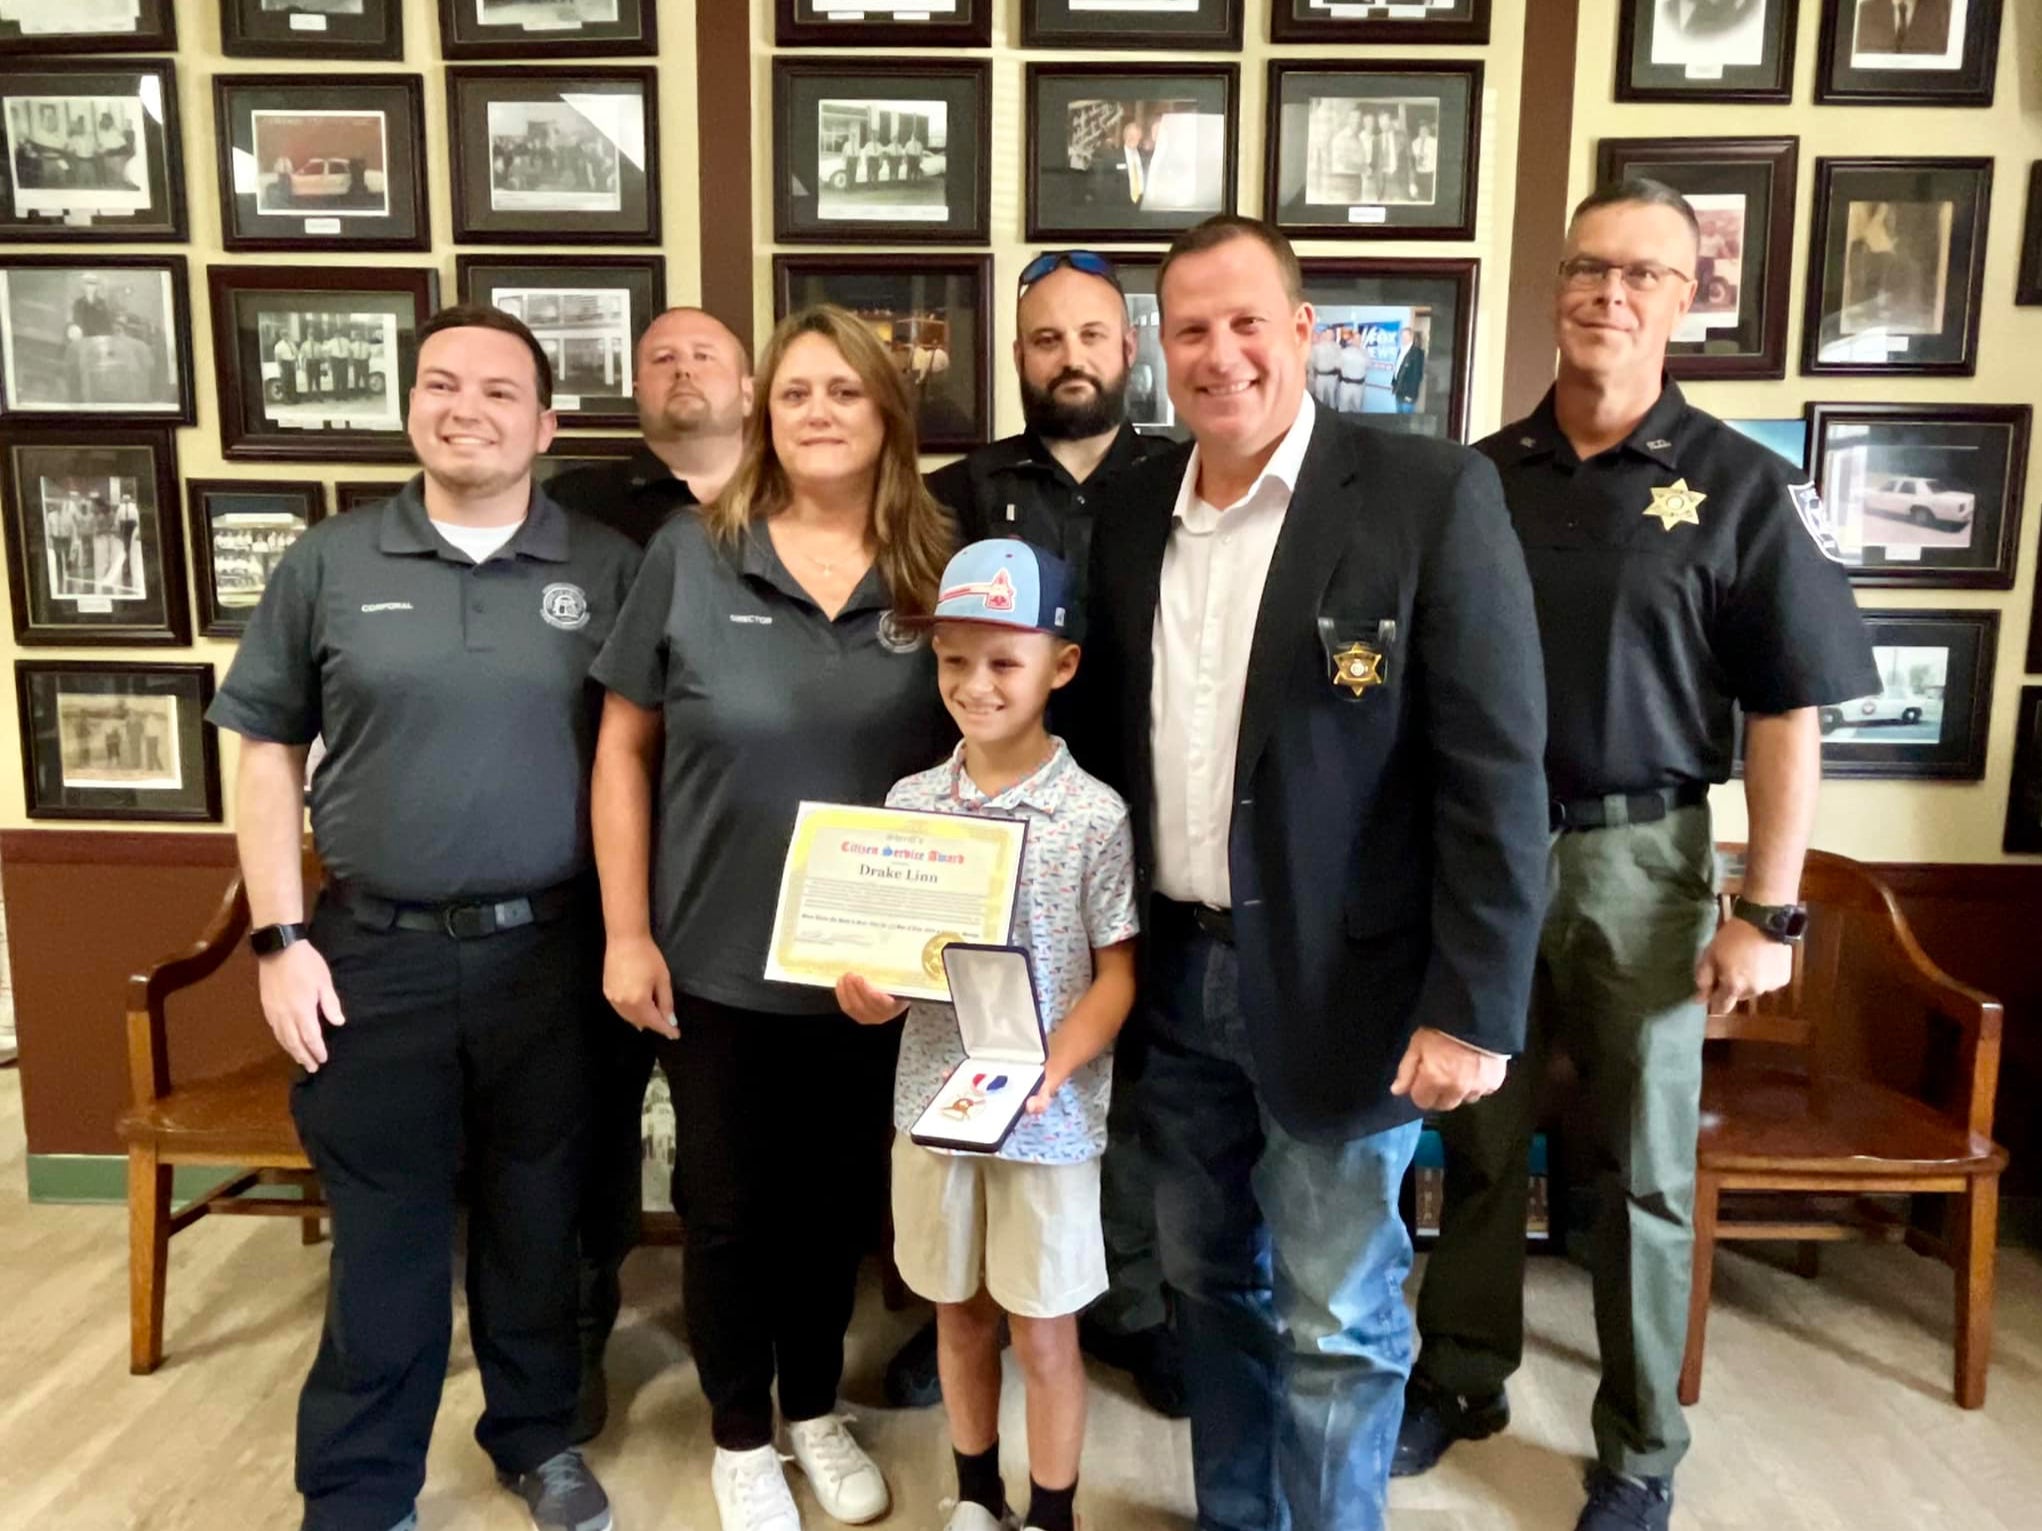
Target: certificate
[[881, 892]]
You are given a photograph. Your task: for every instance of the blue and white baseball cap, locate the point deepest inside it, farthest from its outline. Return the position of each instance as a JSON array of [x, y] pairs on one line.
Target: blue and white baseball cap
[[1005, 582]]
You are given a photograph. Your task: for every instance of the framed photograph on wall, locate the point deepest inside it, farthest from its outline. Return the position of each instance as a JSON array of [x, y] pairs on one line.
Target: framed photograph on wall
[[1129, 152], [90, 341], [335, 164], [1392, 342], [1212, 26], [1379, 21], [554, 156], [95, 549], [93, 151], [586, 311], [240, 528], [883, 23], [117, 741], [1907, 52], [317, 362], [1930, 719], [1706, 50], [363, 494], [313, 29], [931, 314], [2024, 793], [1149, 408], [548, 30], [881, 153], [1923, 494], [2028, 287], [1742, 191], [65, 26], [1385, 152], [1896, 266]]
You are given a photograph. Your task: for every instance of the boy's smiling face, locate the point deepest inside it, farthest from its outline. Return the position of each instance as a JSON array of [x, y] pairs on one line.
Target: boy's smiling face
[[996, 681]]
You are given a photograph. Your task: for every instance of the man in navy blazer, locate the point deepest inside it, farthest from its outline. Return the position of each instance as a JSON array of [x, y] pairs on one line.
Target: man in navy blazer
[[1314, 673]]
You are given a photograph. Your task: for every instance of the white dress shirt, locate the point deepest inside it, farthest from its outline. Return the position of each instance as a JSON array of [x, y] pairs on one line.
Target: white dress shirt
[[1214, 567]]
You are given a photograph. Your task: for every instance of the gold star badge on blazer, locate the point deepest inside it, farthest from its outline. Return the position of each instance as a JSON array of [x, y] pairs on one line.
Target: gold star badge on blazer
[[1676, 504], [1357, 667]]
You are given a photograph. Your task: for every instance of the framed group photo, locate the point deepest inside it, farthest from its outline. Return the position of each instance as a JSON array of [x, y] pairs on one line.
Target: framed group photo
[[545, 30], [1930, 718], [1392, 342], [1896, 266], [1379, 21], [1129, 152], [65, 26], [883, 23], [94, 544], [1209, 25], [1742, 191], [93, 151], [117, 741], [240, 529], [586, 312], [336, 164], [1706, 50], [2024, 793], [312, 29], [1908, 52], [932, 315], [88, 341], [1384, 152], [554, 156]]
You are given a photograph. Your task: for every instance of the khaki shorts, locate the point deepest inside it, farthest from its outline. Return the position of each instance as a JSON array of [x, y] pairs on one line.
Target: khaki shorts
[[1029, 1233]]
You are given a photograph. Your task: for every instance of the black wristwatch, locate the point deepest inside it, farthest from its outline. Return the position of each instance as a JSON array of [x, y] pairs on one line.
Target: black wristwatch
[[1785, 923], [271, 939]]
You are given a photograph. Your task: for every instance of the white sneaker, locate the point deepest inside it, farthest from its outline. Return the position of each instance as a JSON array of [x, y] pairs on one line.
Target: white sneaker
[[845, 1480], [968, 1516], [751, 1491]]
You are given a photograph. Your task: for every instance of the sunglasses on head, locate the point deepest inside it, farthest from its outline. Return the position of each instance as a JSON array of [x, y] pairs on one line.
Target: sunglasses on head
[[1078, 260]]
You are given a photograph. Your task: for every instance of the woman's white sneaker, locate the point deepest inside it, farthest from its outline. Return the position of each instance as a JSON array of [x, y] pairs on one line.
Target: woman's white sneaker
[[846, 1483], [751, 1491]]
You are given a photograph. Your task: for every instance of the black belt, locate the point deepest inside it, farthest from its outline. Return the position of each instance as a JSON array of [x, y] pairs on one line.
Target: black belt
[[1638, 807], [1217, 923], [463, 919]]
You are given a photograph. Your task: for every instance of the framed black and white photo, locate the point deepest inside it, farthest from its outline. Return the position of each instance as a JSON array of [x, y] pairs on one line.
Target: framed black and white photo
[[571, 452], [92, 151], [1209, 25], [2024, 793], [240, 529], [1931, 715], [586, 312], [2028, 286], [363, 494], [554, 156], [931, 314], [1742, 191], [1149, 408], [1706, 50], [1908, 52], [317, 362], [336, 164], [93, 341], [1392, 342], [94, 544], [1896, 266], [548, 30], [312, 29], [1379, 21], [883, 23], [87, 26], [1385, 152], [1923, 494], [117, 741], [881, 153], [1129, 152]]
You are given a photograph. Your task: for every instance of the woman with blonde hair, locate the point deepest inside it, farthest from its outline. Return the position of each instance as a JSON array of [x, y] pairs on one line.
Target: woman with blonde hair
[[759, 662]]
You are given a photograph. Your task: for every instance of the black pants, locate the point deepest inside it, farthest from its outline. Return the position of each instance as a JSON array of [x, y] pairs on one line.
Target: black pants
[[782, 1125], [445, 1040], [620, 1066]]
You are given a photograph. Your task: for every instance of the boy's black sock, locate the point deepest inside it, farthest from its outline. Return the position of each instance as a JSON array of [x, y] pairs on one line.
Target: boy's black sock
[[978, 1479], [1049, 1509]]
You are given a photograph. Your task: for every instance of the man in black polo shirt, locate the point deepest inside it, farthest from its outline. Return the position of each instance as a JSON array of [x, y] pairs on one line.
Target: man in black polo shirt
[[440, 643], [1679, 574]]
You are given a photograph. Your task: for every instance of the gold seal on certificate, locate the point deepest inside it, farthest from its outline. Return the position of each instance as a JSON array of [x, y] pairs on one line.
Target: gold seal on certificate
[[881, 892]]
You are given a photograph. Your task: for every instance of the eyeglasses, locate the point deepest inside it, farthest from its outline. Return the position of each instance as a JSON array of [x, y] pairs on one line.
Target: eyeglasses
[[1586, 272], [1078, 260]]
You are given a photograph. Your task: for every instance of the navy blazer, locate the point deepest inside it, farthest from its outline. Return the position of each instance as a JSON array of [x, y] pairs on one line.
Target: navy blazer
[[1387, 849]]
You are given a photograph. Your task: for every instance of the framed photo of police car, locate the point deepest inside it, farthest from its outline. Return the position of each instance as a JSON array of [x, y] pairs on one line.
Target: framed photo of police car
[[1706, 50], [96, 26], [92, 151], [312, 29], [1379, 21], [117, 741], [554, 156], [586, 312], [240, 529], [93, 340], [1929, 719]]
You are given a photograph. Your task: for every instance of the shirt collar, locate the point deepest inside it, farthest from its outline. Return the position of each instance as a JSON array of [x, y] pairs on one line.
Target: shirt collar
[[648, 470], [407, 529], [1042, 789], [1654, 437], [1282, 468]]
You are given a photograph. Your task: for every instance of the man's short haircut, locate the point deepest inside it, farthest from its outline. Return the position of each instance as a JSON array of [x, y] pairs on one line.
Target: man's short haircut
[[1223, 228], [1639, 190], [480, 316], [744, 352]]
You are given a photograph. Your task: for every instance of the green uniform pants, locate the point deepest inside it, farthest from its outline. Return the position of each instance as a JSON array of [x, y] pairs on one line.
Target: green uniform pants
[[1631, 907]]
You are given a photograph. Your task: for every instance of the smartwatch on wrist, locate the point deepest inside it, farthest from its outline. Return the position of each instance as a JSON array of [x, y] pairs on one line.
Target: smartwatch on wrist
[[1785, 923], [271, 939]]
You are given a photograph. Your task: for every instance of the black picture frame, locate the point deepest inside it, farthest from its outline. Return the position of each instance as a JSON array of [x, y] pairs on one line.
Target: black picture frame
[[915, 24], [155, 31], [956, 415], [252, 29], [1951, 508], [142, 201], [547, 34], [131, 360], [490, 102], [1857, 321], [1405, 293], [1650, 65], [1304, 183], [239, 528], [354, 494], [1748, 184], [571, 452], [1213, 26], [829, 190], [2024, 791], [1378, 21], [1096, 202], [279, 419], [174, 776], [81, 572], [371, 125], [2028, 284], [1149, 408], [1959, 704], [1959, 73], [538, 289]]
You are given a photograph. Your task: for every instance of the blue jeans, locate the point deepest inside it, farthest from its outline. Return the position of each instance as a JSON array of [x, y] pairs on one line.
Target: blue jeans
[[1289, 1259]]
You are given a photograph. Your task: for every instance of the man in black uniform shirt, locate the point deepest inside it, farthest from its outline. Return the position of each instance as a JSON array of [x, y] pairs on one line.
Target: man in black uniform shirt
[[1679, 573]]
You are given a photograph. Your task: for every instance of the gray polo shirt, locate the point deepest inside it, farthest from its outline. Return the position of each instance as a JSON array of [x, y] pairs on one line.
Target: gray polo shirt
[[766, 702], [454, 697]]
